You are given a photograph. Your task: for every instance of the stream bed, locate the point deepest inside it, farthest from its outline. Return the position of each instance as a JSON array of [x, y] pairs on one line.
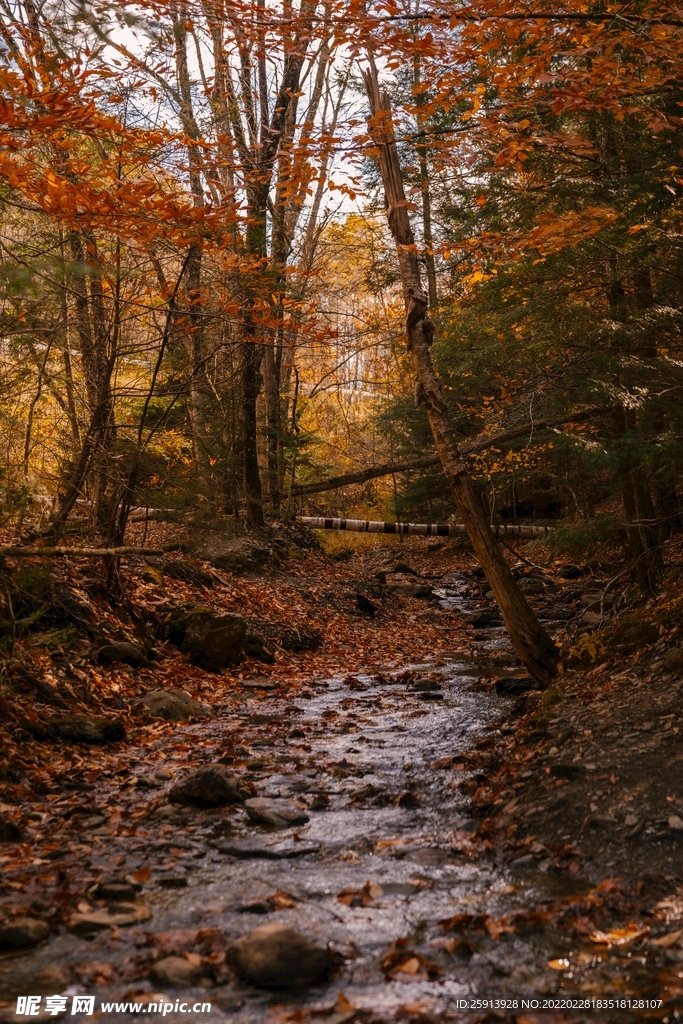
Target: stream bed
[[392, 837]]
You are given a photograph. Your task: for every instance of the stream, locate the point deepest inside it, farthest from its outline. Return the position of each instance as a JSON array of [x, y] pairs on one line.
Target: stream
[[369, 747]]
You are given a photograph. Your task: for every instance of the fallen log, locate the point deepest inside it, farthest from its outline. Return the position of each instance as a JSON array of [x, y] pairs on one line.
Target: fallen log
[[48, 552], [420, 529], [480, 444]]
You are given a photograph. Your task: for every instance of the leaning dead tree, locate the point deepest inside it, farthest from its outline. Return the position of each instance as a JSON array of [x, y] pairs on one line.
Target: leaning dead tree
[[531, 642], [420, 529]]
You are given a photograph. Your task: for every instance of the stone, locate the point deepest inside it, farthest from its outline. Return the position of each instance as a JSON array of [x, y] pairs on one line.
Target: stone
[[173, 971], [404, 569], [675, 822], [174, 705], [117, 890], [23, 932], [240, 555], [425, 685], [672, 660], [569, 571], [10, 832], [273, 811], [252, 849], [120, 650], [258, 684], [51, 979], [302, 639], [76, 729], [212, 641], [116, 915], [515, 685], [559, 614], [210, 786], [418, 590], [276, 957], [532, 585], [567, 771], [343, 555], [257, 647], [172, 881]]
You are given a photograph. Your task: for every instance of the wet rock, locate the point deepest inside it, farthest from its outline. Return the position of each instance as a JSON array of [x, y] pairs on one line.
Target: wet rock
[[51, 979], [210, 786], [532, 585], [559, 614], [212, 641], [273, 811], [430, 696], [23, 932], [173, 971], [321, 802], [569, 571], [117, 890], [515, 685], [172, 881], [276, 957], [10, 832], [174, 705], [258, 684], [120, 650], [116, 915], [76, 729], [253, 849], [425, 685], [480, 619]]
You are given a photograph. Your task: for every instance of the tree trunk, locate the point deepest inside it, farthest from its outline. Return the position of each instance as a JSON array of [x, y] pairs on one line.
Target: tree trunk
[[531, 642]]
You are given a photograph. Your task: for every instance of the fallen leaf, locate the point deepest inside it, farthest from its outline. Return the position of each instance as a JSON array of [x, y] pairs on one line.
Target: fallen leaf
[[558, 965], [668, 940], [619, 936]]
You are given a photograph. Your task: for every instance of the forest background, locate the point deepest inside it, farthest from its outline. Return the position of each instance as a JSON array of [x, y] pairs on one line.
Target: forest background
[[201, 310]]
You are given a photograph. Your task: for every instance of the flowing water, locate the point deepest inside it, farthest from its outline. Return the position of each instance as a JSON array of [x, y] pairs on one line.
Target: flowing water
[[396, 819]]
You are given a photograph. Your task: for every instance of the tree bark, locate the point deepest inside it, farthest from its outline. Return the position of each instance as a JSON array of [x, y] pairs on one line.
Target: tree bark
[[533, 645]]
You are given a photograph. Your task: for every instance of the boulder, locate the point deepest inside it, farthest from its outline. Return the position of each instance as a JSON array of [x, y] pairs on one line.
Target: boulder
[[23, 932], [174, 705], [515, 685], [116, 915], [241, 555], [210, 786], [274, 811], [302, 639], [173, 971], [76, 729], [276, 957], [10, 832], [213, 641], [120, 650]]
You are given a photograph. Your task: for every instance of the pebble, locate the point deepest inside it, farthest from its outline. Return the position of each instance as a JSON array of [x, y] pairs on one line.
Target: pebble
[[675, 822], [274, 956], [174, 971], [272, 811], [23, 932], [210, 786]]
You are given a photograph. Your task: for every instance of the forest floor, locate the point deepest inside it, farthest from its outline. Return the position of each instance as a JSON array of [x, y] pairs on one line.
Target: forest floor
[[460, 836]]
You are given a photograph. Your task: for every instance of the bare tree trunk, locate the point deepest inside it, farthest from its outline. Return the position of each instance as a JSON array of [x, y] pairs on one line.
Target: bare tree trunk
[[533, 645]]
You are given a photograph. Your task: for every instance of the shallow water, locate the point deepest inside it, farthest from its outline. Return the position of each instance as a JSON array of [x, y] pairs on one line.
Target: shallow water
[[372, 733]]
